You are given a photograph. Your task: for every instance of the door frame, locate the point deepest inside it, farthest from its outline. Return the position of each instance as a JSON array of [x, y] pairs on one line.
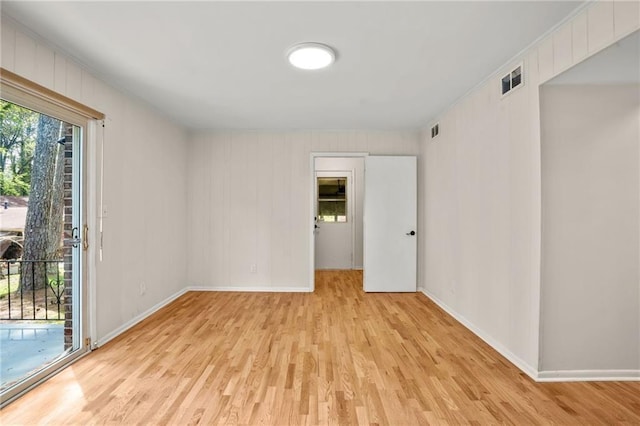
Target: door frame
[[83, 288], [312, 201], [28, 94]]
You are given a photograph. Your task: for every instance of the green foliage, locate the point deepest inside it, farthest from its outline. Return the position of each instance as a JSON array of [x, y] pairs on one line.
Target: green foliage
[[13, 184], [18, 128]]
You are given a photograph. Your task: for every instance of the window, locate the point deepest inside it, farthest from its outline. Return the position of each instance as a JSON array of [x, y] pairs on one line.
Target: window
[[332, 199]]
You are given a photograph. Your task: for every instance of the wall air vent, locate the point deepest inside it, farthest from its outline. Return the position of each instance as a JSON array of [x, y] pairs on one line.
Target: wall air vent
[[512, 80], [435, 130]]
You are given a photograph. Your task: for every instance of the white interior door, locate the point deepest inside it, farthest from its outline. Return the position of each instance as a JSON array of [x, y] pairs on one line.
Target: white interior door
[[390, 214], [334, 220]]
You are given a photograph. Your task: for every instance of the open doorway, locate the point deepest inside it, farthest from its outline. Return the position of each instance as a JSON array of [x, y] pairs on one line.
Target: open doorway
[[334, 220], [384, 219], [338, 213], [590, 145]]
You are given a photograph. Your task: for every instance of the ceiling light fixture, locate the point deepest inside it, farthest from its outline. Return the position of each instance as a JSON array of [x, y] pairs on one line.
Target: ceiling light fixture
[[311, 56]]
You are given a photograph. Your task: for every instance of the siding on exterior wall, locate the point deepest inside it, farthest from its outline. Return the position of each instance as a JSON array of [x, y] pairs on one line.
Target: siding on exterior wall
[[481, 193], [145, 177], [250, 199]]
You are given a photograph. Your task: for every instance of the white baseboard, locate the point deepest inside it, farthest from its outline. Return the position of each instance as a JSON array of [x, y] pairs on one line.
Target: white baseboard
[[514, 359], [589, 376], [542, 376], [135, 320], [253, 289]]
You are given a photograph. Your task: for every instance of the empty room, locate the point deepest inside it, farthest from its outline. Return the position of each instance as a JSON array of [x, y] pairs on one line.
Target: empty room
[[320, 212]]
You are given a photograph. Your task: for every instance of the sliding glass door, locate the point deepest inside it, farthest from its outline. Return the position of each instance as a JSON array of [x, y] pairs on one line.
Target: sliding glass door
[[43, 238]]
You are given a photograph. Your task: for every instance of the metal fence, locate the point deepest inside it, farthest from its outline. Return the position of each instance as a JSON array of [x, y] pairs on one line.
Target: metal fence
[[32, 290]]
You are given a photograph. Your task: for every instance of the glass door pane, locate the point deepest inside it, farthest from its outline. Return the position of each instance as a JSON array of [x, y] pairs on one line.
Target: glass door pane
[[40, 246]]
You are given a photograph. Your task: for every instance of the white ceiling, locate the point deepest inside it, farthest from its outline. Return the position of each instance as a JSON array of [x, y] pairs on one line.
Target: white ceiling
[[222, 64]]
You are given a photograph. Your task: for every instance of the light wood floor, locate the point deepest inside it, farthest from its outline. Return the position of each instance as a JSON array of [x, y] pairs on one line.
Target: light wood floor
[[337, 356]]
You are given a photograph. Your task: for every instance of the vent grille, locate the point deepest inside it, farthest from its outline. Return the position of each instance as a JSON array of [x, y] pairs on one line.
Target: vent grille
[[435, 130], [512, 80]]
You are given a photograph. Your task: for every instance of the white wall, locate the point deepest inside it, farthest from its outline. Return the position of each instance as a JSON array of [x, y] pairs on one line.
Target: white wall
[[356, 166], [590, 222], [480, 198], [250, 196], [144, 188], [479, 186]]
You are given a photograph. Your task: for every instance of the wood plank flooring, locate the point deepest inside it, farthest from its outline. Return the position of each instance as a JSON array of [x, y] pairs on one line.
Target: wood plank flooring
[[337, 356]]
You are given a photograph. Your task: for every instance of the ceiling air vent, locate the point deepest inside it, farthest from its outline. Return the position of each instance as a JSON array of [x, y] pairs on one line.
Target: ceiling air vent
[[435, 130], [512, 80]]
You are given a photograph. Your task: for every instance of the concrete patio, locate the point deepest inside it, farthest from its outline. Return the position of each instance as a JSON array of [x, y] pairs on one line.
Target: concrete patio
[[28, 346]]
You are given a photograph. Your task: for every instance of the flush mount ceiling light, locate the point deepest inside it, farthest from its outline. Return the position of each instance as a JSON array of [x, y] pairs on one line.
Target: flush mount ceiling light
[[311, 56]]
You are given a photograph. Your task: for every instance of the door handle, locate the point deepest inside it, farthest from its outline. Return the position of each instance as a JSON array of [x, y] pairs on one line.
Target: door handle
[[412, 233], [74, 240], [85, 237]]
